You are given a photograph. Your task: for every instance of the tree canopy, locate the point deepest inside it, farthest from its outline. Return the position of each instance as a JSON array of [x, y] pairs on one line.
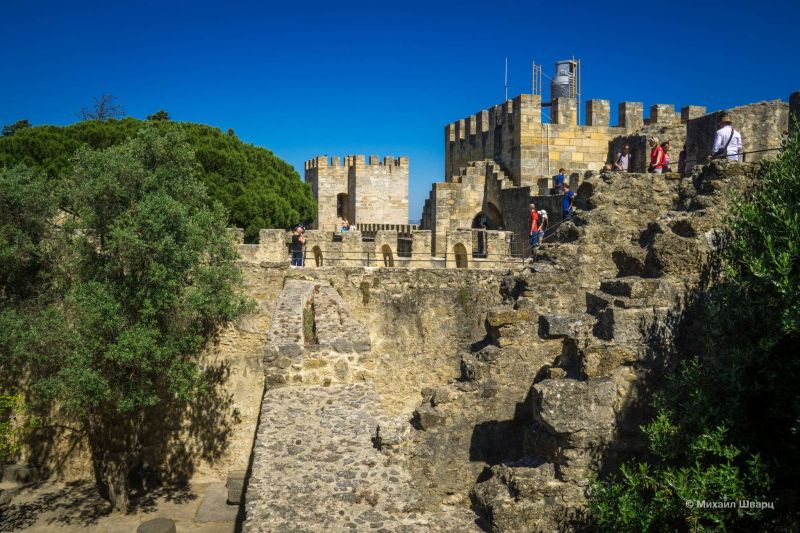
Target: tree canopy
[[258, 189], [124, 284]]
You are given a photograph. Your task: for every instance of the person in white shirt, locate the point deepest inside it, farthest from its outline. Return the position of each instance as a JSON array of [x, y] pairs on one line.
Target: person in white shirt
[[727, 141], [622, 161]]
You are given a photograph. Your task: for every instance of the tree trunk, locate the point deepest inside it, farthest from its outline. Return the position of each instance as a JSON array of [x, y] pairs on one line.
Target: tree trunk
[[111, 460]]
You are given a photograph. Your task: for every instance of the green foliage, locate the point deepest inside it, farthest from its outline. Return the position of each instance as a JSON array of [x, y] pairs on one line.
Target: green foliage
[[15, 425], [728, 424], [143, 271], [11, 129], [258, 189], [159, 115], [27, 208]]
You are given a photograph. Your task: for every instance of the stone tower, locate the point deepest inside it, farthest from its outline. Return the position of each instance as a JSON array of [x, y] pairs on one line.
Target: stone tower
[[364, 191]]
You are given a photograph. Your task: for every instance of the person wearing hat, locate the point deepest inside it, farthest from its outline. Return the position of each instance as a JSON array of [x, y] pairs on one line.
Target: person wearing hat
[[727, 141]]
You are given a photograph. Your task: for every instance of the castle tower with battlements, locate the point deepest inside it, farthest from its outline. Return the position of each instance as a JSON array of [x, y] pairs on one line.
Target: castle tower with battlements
[[359, 189]]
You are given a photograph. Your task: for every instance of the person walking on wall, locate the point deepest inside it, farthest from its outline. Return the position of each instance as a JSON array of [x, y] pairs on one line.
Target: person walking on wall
[[727, 141], [298, 241], [665, 167], [567, 208], [559, 180], [543, 223], [533, 227], [623, 160], [656, 156]]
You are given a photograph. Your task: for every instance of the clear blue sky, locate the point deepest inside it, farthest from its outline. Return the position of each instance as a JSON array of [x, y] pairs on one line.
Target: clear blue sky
[[309, 78]]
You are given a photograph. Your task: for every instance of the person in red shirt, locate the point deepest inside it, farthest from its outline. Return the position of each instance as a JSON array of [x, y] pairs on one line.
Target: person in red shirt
[[656, 156], [533, 227]]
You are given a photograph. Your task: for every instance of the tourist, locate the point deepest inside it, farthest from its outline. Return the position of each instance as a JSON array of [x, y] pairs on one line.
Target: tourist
[[298, 241], [566, 203], [727, 141], [345, 226], [533, 226], [606, 168], [543, 223], [559, 180], [656, 156], [682, 161], [665, 167], [623, 160]]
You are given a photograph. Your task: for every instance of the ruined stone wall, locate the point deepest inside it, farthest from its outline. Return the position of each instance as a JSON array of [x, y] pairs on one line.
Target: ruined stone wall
[[761, 125], [419, 321]]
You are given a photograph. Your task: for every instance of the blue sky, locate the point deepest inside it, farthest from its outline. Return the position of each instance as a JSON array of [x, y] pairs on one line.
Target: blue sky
[[309, 78]]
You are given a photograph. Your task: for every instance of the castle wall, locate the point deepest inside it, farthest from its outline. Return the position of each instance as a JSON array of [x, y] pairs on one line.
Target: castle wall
[[376, 191], [761, 125]]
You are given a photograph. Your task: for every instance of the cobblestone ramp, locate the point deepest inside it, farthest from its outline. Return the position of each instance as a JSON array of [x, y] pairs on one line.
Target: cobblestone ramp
[[315, 466]]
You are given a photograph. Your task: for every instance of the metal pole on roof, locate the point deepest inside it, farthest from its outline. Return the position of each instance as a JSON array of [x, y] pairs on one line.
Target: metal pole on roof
[[506, 79]]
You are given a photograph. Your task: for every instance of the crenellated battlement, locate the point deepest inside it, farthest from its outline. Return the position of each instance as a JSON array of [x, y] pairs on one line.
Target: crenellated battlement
[[323, 161], [564, 112]]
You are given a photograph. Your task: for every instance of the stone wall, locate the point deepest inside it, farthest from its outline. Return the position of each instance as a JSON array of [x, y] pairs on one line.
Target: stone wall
[[761, 125], [376, 192]]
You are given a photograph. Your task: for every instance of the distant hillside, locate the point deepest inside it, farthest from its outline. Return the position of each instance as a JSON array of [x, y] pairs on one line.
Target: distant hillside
[[258, 189]]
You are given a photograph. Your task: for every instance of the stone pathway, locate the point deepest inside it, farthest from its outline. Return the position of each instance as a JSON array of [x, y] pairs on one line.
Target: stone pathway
[[315, 468], [315, 463]]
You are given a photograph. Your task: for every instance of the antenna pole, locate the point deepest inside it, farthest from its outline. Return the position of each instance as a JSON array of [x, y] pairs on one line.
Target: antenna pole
[[506, 79]]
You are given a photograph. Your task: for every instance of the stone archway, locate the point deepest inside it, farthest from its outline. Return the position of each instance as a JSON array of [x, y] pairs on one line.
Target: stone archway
[[460, 253]]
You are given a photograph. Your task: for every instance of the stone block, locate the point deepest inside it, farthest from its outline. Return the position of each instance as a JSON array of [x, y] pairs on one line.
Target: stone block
[[631, 115], [692, 111], [235, 486], [214, 507], [662, 114], [552, 326], [157, 525], [568, 407], [598, 112], [564, 111]]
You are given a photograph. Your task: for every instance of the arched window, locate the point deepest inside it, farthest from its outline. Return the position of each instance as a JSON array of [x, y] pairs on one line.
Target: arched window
[[460, 252], [388, 259]]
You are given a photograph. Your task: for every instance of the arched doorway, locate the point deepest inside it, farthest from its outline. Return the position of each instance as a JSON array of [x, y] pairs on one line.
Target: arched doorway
[[342, 209], [317, 256], [460, 253], [388, 258]]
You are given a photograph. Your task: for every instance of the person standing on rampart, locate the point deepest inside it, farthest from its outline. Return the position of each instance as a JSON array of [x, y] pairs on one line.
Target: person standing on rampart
[[559, 180], [623, 160], [298, 241], [727, 141], [566, 203], [656, 156], [533, 227], [665, 167]]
